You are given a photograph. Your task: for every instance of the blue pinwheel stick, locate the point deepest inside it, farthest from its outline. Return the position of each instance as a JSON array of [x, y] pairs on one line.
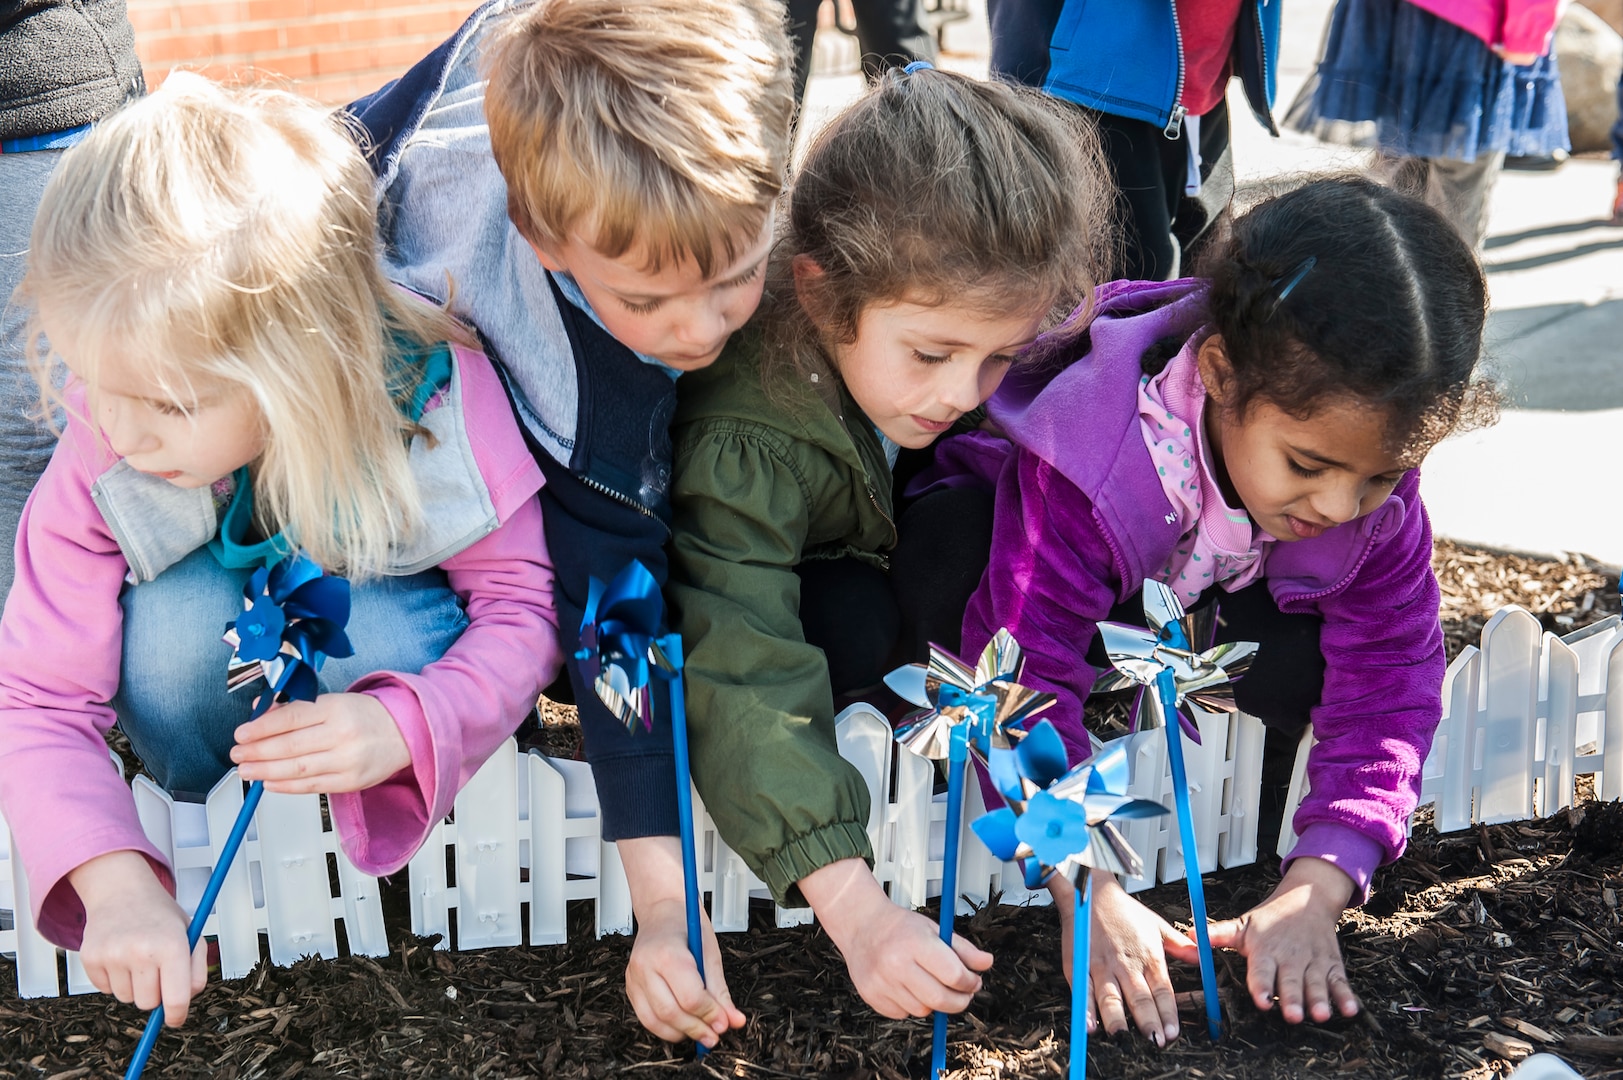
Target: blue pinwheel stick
[[293, 619], [1062, 821], [623, 648], [979, 710], [1164, 656]]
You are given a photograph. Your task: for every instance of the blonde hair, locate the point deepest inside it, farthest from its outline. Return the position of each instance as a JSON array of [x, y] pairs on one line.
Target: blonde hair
[[937, 188], [227, 235], [659, 122]]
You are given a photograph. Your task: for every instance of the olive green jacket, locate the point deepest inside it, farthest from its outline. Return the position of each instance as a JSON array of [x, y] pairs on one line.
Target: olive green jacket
[[763, 481]]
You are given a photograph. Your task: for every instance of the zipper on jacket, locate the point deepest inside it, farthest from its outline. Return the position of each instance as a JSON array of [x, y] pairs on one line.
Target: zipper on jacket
[[1262, 66], [604, 489], [1175, 120], [1347, 579]]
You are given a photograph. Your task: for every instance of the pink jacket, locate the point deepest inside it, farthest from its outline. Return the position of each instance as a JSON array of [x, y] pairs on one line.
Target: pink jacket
[[1518, 25], [61, 646]]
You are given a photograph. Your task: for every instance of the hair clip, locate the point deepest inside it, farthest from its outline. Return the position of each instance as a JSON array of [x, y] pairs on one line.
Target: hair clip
[[1296, 277], [917, 66]]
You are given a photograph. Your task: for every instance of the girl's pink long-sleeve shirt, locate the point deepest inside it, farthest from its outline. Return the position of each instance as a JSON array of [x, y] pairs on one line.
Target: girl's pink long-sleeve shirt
[[1521, 26], [61, 644]]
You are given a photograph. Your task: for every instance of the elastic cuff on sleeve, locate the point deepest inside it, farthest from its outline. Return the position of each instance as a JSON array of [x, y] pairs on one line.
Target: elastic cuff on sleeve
[[806, 854], [636, 796], [1348, 850]]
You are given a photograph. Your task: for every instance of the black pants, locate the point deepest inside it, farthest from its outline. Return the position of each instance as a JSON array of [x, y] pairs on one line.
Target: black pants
[[1162, 228], [891, 33]]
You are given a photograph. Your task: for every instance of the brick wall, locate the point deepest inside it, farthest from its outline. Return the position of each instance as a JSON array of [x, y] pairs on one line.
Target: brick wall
[[333, 50]]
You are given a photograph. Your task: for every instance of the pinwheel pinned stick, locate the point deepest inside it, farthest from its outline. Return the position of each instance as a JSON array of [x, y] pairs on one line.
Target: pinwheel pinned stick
[[293, 619], [979, 710], [1060, 821], [623, 649], [1164, 657]]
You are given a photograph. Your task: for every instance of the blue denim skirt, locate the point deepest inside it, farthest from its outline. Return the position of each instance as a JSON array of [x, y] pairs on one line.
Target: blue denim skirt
[[1401, 79]]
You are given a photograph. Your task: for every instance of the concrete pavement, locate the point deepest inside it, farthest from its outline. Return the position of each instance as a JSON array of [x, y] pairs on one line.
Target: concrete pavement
[[1541, 480]]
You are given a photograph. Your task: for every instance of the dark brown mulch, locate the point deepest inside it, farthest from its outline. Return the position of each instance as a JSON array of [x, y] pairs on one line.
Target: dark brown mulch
[[1477, 948]]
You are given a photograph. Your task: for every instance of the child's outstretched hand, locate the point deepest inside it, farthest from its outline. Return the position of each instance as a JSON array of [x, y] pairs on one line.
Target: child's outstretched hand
[[336, 743], [135, 936], [661, 980], [1128, 967], [1289, 942], [895, 956]]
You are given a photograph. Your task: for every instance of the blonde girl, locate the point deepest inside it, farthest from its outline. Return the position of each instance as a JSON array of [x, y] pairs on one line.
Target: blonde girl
[[239, 381], [933, 228]]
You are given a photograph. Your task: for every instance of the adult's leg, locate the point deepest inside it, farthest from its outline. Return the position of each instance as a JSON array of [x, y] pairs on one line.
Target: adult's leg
[[172, 701], [1191, 226], [802, 18], [846, 609], [25, 442], [1459, 190], [1149, 170], [892, 33]]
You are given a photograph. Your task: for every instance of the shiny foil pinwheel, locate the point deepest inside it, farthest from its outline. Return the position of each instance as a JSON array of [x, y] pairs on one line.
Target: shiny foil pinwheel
[[1138, 656], [293, 619], [623, 648], [980, 710], [1061, 821], [1164, 658]]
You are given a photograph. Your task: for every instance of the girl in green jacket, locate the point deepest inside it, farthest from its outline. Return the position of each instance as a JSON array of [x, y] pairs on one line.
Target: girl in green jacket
[[933, 230]]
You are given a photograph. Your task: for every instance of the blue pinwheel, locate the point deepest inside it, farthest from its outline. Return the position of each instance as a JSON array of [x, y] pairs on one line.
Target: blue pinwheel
[[976, 710], [623, 648], [1060, 821], [1164, 657], [293, 619]]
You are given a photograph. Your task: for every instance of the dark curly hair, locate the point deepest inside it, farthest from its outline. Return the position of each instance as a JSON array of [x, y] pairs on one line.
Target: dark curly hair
[[1342, 288]]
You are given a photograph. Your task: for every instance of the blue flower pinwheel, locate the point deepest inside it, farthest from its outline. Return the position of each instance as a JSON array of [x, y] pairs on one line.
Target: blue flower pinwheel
[[1058, 821], [293, 619], [620, 643], [623, 647], [980, 710]]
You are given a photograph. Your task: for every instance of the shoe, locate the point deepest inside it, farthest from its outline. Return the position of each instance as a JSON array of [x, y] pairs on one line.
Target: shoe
[[1538, 162]]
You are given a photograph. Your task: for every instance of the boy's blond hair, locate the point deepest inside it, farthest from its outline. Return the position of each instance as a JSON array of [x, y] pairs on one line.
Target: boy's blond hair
[[227, 236], [659, 123]]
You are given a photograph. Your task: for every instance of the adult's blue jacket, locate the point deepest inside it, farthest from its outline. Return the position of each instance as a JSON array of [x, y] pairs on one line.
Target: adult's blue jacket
[[1125, 57]]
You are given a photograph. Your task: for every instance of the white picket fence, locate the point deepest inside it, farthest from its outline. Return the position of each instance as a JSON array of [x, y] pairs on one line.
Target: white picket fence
[[1524, 716]]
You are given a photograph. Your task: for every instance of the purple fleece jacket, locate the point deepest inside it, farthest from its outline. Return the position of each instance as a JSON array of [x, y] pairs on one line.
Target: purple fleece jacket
[[1081, 521]]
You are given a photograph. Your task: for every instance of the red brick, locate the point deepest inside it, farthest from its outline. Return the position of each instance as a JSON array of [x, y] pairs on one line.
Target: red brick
[[212, 13], [435, 23], [150, 18], [278, 10], [341, 7], [249, 41], [310, 33]]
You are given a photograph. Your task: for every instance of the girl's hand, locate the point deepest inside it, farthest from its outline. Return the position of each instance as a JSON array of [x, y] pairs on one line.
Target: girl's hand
[[1127, 972], [1516, 59], [135, 936], [661, 980], [896, 957], [338, 742], [1289, 942]]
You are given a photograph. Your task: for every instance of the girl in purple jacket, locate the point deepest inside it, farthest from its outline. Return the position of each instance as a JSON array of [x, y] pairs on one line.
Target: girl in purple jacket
[[1251, 439], [241, 381]]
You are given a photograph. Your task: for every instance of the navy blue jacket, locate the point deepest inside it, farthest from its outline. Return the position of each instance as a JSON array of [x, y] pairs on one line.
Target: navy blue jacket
[[1125, 57], [596, 416]]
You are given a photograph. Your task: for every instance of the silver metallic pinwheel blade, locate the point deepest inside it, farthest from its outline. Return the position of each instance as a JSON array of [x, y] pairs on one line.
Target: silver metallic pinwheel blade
[[1162, 607], [614, 691], [1110, 851], [946, 669], [1001, 659], [1132, 651], [930, 736]]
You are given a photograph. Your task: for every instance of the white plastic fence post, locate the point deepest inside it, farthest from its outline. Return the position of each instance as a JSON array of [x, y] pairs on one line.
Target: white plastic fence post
[[1242, 790], [1150, 778], [293, 866], [614, 914], [1611, 778], [487, 868], [910, 842], [549, 909], [1510, 645], [1593, 646], [1294, 794], [362, 908], [1560, 725], [36, 957], [1462, 716], [236, 921], [429, 882]]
